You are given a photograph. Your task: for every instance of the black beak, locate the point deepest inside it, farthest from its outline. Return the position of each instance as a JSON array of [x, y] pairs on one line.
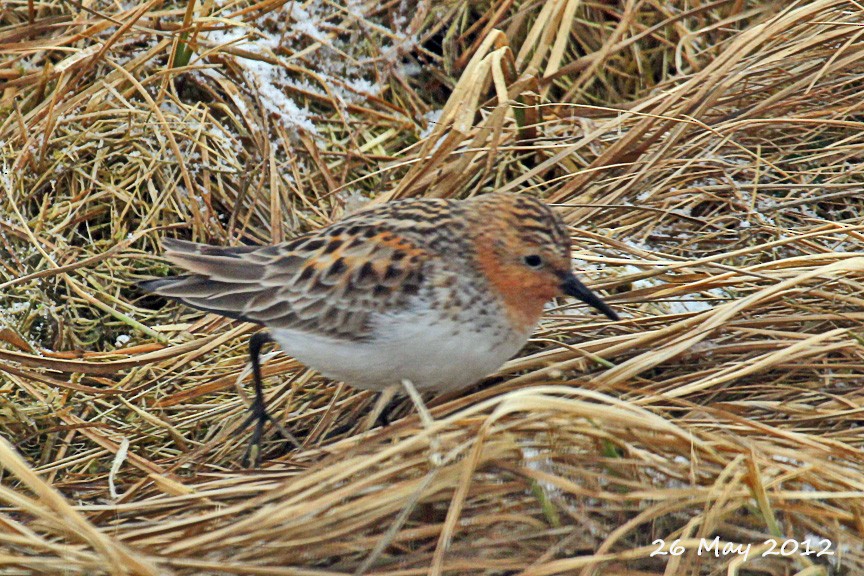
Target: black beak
[[573, 287]]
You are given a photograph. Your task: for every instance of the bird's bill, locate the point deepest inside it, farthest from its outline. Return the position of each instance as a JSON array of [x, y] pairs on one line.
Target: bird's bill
[[573, 287]]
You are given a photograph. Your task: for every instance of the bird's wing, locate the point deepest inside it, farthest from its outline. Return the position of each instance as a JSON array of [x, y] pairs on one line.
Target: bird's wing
[[329, 283]]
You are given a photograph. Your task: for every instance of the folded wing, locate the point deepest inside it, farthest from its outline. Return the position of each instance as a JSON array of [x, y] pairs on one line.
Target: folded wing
[[329, 283]]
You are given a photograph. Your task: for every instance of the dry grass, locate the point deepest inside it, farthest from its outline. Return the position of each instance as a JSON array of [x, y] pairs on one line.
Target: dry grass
[[708, 157]]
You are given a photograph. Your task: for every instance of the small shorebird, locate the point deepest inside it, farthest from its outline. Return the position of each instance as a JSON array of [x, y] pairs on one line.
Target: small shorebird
[[425, 292]]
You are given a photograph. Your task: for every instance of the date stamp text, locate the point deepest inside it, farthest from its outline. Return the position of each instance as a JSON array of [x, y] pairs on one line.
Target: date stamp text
[[772, 547]]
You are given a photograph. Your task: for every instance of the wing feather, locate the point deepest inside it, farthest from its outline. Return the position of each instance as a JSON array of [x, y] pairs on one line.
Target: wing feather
[[326, 283]]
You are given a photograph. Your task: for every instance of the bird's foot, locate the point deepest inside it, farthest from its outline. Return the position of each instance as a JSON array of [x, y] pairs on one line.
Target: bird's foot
[[260, 416]]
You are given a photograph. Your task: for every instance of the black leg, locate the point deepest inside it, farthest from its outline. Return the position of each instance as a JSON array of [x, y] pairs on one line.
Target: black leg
[[259, 413], [385, 417], [382, 420]]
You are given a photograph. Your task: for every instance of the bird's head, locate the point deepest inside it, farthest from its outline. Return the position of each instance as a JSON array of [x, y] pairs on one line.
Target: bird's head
[[523, 248]]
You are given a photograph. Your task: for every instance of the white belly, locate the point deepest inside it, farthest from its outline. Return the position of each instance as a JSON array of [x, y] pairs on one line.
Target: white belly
[[439, 355]]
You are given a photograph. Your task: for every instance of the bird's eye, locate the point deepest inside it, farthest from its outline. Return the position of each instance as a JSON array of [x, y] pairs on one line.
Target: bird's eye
[[534, 261]]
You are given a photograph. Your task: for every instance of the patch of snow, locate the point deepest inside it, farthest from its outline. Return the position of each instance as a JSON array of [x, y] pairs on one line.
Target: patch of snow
[[644, 282], [787, 460], [686, 306], [329, 39], [309, 27], [431, 117], [533, 461], [411, 69]]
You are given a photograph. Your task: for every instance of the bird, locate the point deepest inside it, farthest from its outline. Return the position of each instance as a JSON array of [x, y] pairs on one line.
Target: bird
[[436, 293]]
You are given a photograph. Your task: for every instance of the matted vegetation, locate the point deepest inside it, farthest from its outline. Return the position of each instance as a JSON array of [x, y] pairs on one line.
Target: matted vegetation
[[707, 155]]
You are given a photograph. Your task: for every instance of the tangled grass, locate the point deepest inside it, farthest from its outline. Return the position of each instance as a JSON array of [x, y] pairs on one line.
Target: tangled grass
[[706, 154]]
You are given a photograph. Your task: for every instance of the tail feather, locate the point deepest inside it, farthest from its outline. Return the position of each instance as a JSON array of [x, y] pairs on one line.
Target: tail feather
[[194, 287], [187, 247], [222, 280], [218, 263], [200, 293], [160, 286]]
